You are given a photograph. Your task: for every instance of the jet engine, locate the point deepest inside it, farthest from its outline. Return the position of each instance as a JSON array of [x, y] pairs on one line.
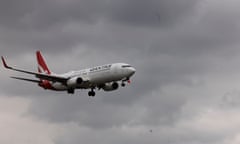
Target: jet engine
[[110, 86], [73, 82]]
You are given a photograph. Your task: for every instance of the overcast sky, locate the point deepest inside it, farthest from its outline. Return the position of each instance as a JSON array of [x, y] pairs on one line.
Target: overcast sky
[[186, 89]]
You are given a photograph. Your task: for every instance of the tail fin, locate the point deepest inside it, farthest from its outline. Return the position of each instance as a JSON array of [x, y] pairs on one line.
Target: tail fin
[[42, 66]]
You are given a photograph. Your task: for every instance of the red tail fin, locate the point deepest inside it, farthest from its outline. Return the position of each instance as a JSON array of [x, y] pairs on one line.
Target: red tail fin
[[42, 66]]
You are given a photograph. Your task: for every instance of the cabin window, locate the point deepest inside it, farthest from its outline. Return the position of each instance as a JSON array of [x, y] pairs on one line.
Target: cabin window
[[125, 66]]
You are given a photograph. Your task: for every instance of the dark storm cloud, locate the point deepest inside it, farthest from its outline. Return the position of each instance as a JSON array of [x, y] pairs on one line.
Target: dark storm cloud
[[140, 44], [175, 50], [12, 11], [42, 24], [150, 13], [50, 13], [43, 14], [46, 13]]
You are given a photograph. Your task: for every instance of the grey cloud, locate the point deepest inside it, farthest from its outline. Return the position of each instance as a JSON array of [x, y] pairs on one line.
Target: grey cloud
[[12, 11], [153, 13], [176, 51], [50, 13], [45, 14], [230, 100]]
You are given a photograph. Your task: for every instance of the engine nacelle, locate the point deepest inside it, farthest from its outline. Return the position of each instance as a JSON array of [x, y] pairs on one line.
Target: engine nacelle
[[74, 82], [110, 86]]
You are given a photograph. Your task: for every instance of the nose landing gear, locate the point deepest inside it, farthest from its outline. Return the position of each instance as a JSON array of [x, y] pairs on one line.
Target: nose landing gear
[[123, 84]]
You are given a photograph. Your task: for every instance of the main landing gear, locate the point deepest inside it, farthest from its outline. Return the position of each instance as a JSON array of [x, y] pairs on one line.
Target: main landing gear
[[91, 93], [70, 91]]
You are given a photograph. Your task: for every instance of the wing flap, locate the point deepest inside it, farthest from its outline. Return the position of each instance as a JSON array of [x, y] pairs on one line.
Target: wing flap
[[52, 78]]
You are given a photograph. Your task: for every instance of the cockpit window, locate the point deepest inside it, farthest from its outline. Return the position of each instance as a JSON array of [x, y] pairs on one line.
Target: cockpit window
[[126, 66]]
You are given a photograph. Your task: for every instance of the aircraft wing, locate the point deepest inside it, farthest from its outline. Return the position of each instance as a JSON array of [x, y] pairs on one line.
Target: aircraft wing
[[38, 75]]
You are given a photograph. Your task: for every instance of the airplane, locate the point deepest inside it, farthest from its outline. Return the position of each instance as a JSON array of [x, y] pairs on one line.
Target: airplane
[[104, 77]]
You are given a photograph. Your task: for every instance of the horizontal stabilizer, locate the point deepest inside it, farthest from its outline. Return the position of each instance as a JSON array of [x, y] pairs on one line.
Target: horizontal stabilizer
[[25, 79]]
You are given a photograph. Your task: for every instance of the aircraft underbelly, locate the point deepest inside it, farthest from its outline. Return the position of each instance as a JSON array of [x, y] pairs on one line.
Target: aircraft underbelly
[[105, 78], [59, 86]]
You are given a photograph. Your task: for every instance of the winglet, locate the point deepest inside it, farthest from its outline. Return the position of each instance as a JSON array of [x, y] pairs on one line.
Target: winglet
[[4, 63]]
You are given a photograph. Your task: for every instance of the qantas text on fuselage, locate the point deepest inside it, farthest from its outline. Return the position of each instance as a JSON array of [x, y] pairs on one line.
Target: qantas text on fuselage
[[106, 77]]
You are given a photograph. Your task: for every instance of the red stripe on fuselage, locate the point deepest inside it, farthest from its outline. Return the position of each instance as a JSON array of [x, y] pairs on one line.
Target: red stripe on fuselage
[[43, 68], [46, 85]]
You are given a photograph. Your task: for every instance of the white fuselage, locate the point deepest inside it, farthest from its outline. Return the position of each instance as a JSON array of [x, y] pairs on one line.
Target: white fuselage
[[104, 77], [96, 76]]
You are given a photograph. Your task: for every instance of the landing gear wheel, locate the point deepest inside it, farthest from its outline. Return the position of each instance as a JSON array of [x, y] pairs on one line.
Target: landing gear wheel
[[123, 84], [91, 93], [70, 91]]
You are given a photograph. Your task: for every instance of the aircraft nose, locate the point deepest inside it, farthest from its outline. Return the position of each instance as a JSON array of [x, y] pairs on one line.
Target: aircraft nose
[[132, 70]]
